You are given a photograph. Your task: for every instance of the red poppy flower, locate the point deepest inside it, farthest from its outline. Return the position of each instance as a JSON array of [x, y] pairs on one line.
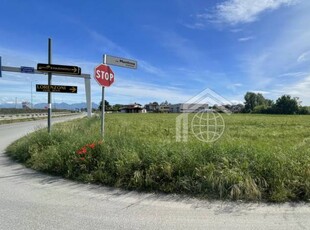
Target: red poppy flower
[[82, 150], [92, 145]]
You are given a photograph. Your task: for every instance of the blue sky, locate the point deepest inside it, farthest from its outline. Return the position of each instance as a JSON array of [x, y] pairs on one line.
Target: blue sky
[[182, 47]]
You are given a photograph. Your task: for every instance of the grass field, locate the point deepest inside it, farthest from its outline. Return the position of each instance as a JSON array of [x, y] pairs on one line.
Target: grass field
[[259, 157]]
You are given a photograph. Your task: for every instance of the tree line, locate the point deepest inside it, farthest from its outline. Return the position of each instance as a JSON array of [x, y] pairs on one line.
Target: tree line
[[109, 107], [256, 103]]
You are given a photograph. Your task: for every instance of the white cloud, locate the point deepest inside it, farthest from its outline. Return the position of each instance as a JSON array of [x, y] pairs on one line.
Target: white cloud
[[235, 12], [196, 25], [299, 89], [244, 39], [275, 61], [147, 67], [260, 91], [305, 56], [245, 11], [234, 86], [294, 74]]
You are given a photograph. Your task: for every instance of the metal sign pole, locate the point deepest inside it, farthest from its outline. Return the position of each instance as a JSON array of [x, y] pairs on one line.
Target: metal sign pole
[[49, 94], [102, 113], [105, 77]]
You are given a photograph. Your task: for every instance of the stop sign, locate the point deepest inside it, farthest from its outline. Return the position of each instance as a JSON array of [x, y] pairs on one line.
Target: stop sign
[[104, 75]]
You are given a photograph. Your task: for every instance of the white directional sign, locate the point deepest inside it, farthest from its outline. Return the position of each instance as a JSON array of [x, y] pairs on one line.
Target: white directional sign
[[118, 61]]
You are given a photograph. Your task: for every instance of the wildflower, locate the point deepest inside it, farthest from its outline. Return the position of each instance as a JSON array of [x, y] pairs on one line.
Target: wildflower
[[82, 151], [92, 145]]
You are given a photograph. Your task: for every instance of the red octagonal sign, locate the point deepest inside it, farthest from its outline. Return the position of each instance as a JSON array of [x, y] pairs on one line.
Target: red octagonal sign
[[104, 75]]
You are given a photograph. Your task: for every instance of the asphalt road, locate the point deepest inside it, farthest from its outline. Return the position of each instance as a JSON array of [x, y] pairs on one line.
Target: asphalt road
[[32, 200]]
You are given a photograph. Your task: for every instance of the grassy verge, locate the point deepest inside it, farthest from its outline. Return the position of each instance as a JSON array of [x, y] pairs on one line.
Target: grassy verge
[[258, 158]]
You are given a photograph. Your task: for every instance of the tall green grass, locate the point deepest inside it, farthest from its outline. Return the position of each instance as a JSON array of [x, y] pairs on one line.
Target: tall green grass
[[258, 157]]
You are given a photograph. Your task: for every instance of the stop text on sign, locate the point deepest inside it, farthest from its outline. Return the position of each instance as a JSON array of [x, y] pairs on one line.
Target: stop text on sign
[[104, 75]]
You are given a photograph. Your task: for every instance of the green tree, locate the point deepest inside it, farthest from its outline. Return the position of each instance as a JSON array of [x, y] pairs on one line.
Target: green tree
[[252, 100], [260, 109], [269, 103], [107, 105], [304, 110], [116, 107], [286, 105]]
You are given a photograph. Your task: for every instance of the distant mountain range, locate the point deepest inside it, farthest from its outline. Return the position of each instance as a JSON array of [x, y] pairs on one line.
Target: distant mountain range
[[55, 105]]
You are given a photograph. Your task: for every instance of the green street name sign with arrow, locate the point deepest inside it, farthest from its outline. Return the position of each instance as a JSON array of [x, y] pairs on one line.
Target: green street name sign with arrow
[[56, 88], [65, 69]]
